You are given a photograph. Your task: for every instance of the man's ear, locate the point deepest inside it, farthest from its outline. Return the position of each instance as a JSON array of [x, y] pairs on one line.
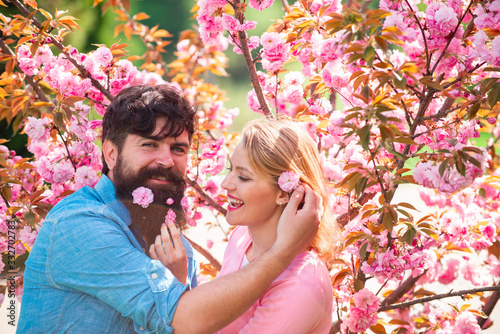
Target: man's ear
[[110, 152]]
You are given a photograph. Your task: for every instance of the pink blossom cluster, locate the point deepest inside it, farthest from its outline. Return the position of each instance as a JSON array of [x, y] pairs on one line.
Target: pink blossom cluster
[[211, 23], [364, 312], [443, 135], [447, 319], [275, 52], [428, 175], [395, 262], [61, 73], [24, 233], [214, 158], [67, 161]]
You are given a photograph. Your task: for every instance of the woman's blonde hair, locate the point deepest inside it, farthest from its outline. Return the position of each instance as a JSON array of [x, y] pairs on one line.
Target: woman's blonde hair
[[274, 147]]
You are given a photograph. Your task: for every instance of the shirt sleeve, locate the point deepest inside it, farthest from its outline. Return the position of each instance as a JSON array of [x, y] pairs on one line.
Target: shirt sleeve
[[90, 252], [288, 307]]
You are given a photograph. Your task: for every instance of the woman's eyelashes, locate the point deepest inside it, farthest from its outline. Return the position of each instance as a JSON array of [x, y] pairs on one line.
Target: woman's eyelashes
[[244, 179]]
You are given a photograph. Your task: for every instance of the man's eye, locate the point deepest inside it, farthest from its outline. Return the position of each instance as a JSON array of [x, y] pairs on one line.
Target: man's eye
[[179, 149], [149, 144]]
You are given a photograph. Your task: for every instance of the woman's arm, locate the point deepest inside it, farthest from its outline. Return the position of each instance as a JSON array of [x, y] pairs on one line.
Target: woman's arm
[[215, 304]]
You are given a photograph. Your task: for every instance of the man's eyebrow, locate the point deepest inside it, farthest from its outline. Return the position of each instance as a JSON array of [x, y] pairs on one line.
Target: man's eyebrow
[[183, 144]]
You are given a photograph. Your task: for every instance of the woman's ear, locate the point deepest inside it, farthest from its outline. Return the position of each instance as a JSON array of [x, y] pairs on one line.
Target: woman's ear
[[110, 152], [282, 198]]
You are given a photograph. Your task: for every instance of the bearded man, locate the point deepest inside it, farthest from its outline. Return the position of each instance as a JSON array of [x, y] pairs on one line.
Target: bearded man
[[89, 270]]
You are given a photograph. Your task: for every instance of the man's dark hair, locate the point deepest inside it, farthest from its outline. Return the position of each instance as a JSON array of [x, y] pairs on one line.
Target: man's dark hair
[[135, 110]]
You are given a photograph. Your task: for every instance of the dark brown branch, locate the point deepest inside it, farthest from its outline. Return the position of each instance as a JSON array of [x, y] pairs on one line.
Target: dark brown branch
[[353, 212], [460, 79], [213, 261], [61, 47], [401, 290], [439, 296], [488, 308], [206, 197], [254, 78]]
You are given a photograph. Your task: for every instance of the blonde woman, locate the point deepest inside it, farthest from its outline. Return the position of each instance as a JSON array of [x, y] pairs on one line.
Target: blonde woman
[[300, 299]]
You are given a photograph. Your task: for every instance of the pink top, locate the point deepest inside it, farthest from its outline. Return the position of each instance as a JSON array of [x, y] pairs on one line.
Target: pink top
[[298, 301]]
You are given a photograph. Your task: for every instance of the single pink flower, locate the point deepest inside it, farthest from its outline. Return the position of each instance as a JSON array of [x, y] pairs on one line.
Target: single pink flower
[[170, 217], [170, 201], [143, 196], [288, 181]]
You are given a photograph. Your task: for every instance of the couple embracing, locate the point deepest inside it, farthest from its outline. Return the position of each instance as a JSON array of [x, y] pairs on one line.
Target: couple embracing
[[102, 264]]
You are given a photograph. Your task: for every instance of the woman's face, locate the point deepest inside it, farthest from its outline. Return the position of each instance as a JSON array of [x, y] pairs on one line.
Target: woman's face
[[251, 200]]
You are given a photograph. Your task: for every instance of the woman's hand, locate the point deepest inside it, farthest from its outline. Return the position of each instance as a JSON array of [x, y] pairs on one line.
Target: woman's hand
[[168, 249]]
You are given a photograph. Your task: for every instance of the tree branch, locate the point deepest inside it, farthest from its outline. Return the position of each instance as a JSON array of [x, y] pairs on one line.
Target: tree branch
[[488, 308], [401, 290], [439, 296], [254, 78], [206, 254]]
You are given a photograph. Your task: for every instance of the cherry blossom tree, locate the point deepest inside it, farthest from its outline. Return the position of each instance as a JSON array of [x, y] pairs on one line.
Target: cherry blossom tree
[[404, 93]]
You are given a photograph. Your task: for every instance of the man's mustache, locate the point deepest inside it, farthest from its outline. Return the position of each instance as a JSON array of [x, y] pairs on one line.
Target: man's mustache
[[169, 174]]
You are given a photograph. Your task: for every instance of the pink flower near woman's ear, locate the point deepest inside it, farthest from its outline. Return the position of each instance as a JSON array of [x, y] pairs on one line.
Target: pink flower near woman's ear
[[143, 196], [288, 181]]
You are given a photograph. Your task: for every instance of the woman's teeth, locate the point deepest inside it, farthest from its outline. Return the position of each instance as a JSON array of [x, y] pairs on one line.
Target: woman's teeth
[[234, 203]]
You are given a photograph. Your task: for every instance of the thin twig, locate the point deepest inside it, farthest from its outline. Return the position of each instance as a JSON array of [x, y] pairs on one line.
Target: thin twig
[[206, 197], [428, 61]]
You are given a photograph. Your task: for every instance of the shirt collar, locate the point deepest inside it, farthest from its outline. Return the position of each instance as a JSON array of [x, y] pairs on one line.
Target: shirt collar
[[106, 189]]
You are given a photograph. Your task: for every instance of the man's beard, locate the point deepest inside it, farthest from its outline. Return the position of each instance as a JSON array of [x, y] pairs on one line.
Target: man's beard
[[149, 220]]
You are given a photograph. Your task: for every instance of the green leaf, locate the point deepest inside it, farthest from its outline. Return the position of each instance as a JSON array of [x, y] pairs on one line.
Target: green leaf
[[443, 166], [30, 218], [409, 236], [494, 95], [472, 111], [358, 285], [59, 120], [369, 55], [364, 136], [362, 251], [400, 81]]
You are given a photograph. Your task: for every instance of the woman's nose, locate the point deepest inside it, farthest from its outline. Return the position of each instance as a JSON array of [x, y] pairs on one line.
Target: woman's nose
[[226, 183]]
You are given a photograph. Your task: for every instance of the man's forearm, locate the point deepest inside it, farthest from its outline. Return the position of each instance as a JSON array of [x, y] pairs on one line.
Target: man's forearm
[[213, 305]]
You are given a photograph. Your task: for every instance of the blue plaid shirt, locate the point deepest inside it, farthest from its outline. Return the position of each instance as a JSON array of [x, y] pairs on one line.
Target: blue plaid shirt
[[87, 272]]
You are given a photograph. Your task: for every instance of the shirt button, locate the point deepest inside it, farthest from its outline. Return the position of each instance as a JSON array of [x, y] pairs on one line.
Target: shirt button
[[155, 276]]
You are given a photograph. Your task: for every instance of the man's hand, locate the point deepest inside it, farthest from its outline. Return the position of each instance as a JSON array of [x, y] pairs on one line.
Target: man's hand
[[168, 248], [298, 227]]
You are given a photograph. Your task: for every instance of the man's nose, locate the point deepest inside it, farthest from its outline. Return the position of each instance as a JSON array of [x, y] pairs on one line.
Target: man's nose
[[164, 158]]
